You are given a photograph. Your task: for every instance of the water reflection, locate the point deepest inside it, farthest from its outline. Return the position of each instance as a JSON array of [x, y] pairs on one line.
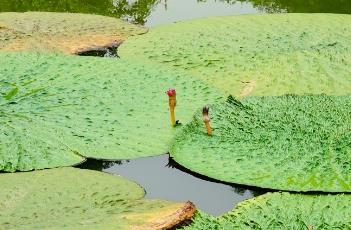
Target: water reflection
[[98, 165], [302, 6], [163, 178], [178, 10], [135, 11], [156, 12]]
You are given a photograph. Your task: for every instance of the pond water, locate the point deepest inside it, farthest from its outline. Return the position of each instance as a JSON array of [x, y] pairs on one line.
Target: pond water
[[178, 10], [157, 12], [162, 178]]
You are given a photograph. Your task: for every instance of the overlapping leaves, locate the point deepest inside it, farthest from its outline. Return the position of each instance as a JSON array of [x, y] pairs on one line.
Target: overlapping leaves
[[56, 109]]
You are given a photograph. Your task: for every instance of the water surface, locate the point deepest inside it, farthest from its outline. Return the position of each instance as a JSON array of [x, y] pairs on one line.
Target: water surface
[[157, 12], [179, 10], [162, 178]]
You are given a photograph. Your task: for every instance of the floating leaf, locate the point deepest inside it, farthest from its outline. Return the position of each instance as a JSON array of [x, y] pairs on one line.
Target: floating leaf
[[255, 54], [282, 211], [70, 198], [297, 143], [62, 32], [66, 107]]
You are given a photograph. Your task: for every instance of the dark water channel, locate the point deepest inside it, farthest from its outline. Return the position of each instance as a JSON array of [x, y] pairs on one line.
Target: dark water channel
[[162, 178]]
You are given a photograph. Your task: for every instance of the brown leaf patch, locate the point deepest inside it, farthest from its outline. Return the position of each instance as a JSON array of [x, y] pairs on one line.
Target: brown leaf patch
[[166, 218]]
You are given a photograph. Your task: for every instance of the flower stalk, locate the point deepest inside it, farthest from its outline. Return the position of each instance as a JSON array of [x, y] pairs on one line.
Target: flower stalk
[[206, 119], [172, 96]]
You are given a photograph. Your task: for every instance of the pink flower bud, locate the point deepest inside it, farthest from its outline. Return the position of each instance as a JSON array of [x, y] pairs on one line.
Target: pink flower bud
[[171, 92]]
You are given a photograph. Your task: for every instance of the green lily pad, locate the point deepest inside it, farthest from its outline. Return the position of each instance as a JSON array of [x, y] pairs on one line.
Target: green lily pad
[[62, 32], [282, 211], [255, 54], [297, 143], [55, 109], [69, 198]]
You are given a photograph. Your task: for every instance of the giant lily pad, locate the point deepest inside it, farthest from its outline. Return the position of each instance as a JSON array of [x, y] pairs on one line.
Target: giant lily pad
[[70, 198], [282, 211], [255, 54], [299, 143], [62, 32], [55, 109]]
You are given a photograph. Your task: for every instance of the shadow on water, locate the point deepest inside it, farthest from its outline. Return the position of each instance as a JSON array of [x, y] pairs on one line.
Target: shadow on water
[[163, 178], [110, 52]]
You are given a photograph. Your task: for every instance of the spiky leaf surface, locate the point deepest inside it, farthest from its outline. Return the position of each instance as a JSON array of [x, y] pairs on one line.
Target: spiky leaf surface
[[62, 32], [55, 107], [70, 198], [255, 54], [299, 143], [277, 211]]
